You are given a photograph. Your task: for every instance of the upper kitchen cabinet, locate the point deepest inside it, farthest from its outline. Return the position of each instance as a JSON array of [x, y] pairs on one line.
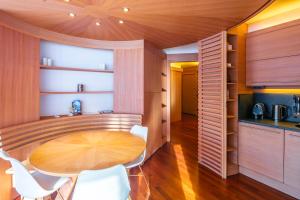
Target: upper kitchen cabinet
[[273, 56]]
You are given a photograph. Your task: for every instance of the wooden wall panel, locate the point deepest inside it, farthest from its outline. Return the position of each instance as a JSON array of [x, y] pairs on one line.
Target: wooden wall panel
[[19, 87], [19, 78], [176, 94], [190, 90], [273, 56], [129, 81], [154, 61]]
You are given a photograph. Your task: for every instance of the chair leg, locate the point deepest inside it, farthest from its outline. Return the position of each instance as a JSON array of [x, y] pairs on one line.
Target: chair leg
[[145, 180], [60, 195]]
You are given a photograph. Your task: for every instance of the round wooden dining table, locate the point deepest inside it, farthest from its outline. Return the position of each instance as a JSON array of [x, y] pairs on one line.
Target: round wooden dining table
[[86, 150]]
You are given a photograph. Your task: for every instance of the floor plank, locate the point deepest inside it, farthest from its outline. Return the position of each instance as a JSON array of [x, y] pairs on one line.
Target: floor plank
[[174, 173]]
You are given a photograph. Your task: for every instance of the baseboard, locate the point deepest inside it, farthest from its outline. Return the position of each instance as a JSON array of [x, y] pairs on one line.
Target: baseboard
[[271, 182]]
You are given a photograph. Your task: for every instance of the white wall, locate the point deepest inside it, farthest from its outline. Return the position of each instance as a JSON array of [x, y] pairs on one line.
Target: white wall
[[72, 56], [66, 81]]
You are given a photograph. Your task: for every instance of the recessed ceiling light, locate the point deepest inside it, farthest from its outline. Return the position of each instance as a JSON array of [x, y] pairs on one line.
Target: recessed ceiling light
[[125, 9], [72, 14], [98, 24], [67, 0], [121, 21]]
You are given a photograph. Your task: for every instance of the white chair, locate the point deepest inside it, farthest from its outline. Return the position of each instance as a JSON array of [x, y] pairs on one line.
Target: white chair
[[142, 132], [33, 185], [109, 184]]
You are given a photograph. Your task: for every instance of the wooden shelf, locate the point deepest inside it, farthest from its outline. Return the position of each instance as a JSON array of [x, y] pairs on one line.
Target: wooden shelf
[[230, 116], [230, 100], [231, 133], [229, 83], [86, 92], [75, 69], [231, 149], [231, 67], [232, 168], [232, 50]]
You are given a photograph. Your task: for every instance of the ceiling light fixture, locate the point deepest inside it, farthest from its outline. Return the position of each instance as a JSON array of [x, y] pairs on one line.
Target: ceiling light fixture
[[125, 9], [67, 0], [98, 24], [121, 21], [72, 14]]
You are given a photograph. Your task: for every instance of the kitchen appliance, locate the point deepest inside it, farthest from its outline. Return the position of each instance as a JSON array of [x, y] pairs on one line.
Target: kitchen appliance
[[258, 110], [279, 112], [296, 108]]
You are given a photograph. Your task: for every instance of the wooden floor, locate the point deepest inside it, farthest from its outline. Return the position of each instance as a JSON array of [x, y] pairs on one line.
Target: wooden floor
[[174, 173]]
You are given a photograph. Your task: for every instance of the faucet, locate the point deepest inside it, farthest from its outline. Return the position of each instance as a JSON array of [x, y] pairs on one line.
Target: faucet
[[296, 112]]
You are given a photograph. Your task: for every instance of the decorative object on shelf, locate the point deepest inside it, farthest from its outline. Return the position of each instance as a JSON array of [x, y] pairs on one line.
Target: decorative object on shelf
[[229, 47], [105, 111], [80, 87], [44, 61], [76, 107], [49, 62], [102, 66]]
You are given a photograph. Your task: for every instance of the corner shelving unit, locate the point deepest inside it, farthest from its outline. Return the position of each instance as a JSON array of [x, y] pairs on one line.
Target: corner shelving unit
[[231, 106]]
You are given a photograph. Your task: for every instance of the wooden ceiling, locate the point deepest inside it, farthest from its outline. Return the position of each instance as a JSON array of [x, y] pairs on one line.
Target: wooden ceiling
[[166, 23]]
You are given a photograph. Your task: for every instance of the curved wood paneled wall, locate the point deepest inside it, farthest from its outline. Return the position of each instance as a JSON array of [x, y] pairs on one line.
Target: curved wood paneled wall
[[45, 34], [27, 134]]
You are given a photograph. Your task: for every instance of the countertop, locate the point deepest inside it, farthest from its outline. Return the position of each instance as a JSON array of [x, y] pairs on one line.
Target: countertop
[[270, 123]]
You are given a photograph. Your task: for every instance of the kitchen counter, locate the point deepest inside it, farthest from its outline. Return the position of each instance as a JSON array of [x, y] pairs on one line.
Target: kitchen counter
[[270, 123]]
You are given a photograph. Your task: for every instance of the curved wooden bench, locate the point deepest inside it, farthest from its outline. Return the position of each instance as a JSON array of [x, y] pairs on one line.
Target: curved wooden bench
[[35, 133]]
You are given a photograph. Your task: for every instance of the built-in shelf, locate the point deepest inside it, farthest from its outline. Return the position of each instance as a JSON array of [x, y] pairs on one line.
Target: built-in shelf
[[75, 69], [232, 50], [230, 83], [230, 149], [230, 116], [231, 133], [232, 67], [86, 92], [230, 100]]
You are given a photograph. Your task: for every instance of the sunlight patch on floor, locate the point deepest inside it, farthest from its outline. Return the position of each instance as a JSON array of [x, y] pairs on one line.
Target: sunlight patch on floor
[[184, 174]]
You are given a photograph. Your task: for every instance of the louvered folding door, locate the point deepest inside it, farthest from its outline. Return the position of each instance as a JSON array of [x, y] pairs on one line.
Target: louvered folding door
[[212, 103]]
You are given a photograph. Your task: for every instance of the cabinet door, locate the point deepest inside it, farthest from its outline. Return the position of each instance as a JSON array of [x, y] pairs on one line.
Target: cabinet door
[[261, 150], [292, 159]]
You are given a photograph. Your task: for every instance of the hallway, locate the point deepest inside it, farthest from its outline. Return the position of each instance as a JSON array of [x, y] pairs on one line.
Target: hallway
[[174, 173]]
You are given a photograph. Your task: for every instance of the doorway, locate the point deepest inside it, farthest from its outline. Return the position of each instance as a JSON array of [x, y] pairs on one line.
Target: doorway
[[184, 90]]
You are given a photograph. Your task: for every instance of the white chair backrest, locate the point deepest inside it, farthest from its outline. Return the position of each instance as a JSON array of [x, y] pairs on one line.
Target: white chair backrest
[[25, 184], [109, 184], [140, 131]]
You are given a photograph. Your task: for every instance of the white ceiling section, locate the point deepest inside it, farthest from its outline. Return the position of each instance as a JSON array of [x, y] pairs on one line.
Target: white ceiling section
[[188, 48]]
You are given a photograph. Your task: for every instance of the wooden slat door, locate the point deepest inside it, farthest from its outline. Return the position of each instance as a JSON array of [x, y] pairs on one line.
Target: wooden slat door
[[212, 103]]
